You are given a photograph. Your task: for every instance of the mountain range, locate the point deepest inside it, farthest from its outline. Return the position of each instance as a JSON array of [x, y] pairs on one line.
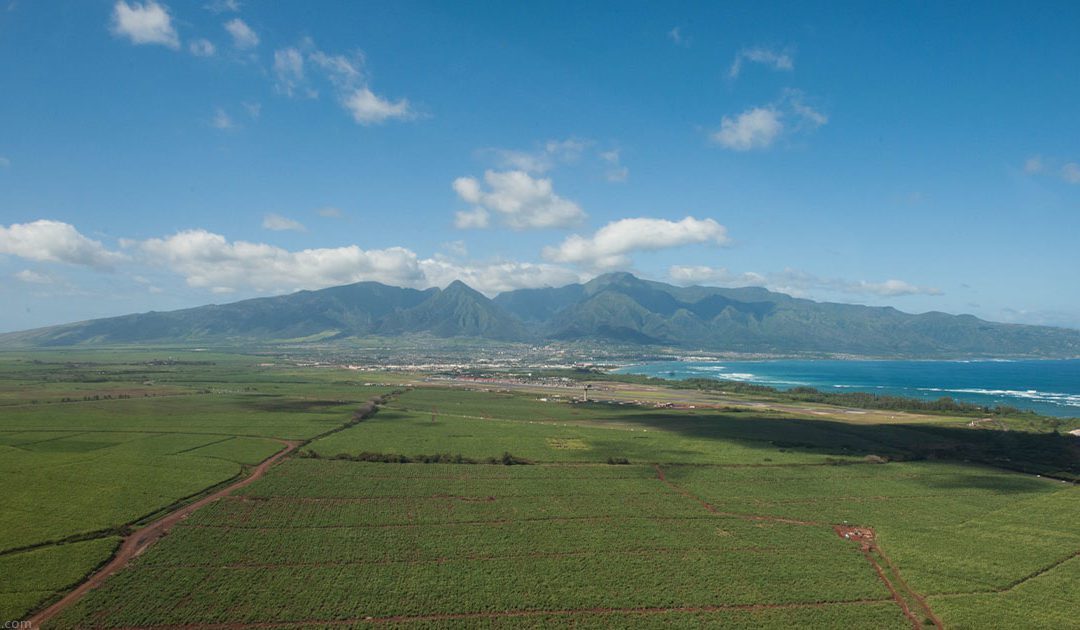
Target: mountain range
[[616, 307]]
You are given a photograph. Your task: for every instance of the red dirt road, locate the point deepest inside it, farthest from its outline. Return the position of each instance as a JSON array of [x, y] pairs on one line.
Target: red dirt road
[[140, 540]]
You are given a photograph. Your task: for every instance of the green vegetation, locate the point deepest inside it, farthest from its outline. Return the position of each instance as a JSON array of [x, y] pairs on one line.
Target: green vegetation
[[82, 463], [625, 515], [613, 308]]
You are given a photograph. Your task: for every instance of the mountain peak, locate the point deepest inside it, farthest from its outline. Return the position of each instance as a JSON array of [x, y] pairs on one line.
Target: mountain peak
[[615, 278], [457, 287]]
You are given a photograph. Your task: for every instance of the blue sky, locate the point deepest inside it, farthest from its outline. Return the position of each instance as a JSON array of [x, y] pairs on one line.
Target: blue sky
[[158, 155]]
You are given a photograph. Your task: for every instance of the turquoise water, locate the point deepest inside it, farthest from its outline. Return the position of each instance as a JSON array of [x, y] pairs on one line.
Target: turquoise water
[[1047, 387]]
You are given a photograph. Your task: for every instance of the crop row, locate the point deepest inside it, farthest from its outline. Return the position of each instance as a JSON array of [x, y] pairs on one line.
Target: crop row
[[151, 596], [233, 546]]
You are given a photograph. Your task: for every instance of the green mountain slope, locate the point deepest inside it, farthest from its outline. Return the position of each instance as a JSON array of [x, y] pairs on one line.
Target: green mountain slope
[[613, 307]]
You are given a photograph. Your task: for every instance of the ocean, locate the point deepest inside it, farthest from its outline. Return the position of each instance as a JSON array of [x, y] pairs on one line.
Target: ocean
[[1049, 387]]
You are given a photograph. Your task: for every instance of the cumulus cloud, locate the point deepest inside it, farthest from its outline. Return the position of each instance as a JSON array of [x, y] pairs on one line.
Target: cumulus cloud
[[243, 36], [209, 261], [55, 241], [714, 276], [367, 108], [144, 23], [4, 162], [202, 48], [345, 75], [278, 223], [476, 218], [519, 200], [611, 246], [1071, 173], [289, 71], [330, 212], [760, 127], [756, 128], [774, 59], [794, 282], [496, 277], [1033, 164]]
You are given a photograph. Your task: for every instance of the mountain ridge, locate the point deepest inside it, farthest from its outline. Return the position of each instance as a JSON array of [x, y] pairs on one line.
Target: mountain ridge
[[617, 307]]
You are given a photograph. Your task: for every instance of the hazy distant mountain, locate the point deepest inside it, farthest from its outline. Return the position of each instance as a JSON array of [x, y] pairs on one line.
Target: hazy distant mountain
[[614, 307]]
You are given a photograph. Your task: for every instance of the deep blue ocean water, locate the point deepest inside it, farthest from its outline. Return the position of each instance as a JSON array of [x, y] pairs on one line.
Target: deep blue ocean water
[[1048, 387]]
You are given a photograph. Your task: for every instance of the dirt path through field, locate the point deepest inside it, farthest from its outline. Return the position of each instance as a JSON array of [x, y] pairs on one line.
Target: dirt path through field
[[906, 597], [141, 539]]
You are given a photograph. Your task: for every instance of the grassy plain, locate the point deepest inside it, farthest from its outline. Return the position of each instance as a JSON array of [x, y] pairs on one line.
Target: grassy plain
[[718, 517]]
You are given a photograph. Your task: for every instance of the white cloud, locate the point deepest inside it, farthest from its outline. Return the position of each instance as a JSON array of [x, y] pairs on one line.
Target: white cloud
[[254, 109], [610, 247], [55, 241], [243, 37], [615, 172], [714, 276], [760, 127], [794, 282], [777, 60], [676, 36], [4, 162], [1033, 164], [477, 218], [342, 71], [456, 248], [202, 48], [496, 277], [1071, 173], [146, 23], [34, 277], [345, 74], [810, 116], [367, 108], [289, 71], [221, 120], [223, 6], [518, 199], [209, 261], [756, 128], [278, 223], [330, 212], [543, 158]]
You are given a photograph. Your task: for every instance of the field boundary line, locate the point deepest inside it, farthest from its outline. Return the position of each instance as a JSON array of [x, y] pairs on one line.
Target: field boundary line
[[1015, 583], [141, 539], [712, 508], [195, 448]]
